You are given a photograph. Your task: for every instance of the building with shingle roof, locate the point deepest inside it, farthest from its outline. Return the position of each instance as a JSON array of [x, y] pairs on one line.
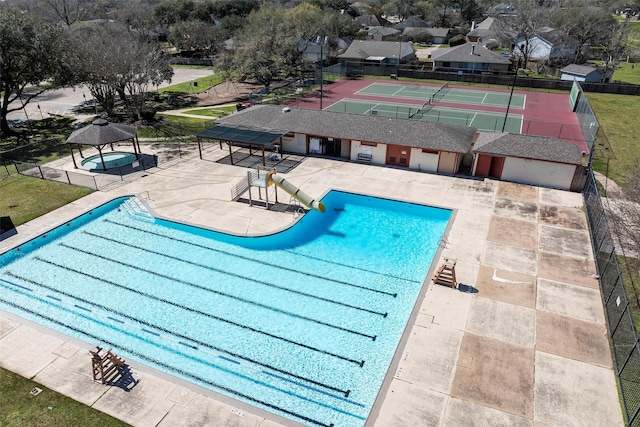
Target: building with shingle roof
[[378, 52], [469, 57], [548, 44], [528, 159], [417, 144], [582, 73]]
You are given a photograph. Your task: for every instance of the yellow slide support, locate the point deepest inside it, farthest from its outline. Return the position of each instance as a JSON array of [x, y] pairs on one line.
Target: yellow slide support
[[295, 192]]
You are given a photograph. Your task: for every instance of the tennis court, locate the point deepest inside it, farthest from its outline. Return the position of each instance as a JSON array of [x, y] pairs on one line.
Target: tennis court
[[483, 120], [444, 93]]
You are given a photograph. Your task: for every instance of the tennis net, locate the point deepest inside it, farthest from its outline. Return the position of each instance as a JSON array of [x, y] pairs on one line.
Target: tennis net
[[424, 109], [440, 93]]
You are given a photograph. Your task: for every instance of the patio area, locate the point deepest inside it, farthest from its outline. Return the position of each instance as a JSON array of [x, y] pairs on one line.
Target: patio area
[[529, 348]]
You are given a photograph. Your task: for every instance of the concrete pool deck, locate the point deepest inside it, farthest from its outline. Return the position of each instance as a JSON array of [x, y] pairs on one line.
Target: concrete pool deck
[[529, 348]]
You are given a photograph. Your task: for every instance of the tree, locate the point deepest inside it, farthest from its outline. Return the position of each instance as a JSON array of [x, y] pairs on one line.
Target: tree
[[614, 47], [170, 12], [196, 36], [624, 216], [31, 52], [522, 29], [586, 23], [268, 46], [65, 11], [113, 61]]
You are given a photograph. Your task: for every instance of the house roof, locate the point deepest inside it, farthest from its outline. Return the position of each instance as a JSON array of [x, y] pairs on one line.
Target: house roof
[[411, 21], [384, 31], [580, 70], [486, 28], [408, 132], [435, 32], [363, 49], [528, 147], [372, 21], [555, 37], [468, 52]]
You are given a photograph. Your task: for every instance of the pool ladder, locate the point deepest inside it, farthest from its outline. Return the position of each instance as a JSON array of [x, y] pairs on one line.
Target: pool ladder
[[134, 207]]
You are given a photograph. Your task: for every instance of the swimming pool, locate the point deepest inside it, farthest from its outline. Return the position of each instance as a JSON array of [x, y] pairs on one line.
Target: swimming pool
[[112, 159], [303, 323]]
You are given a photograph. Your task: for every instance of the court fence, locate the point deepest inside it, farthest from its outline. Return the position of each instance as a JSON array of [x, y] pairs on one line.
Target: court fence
[[622, 332], [423, 71]]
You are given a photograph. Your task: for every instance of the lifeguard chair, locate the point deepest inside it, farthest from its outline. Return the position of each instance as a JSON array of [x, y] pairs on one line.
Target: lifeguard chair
[[106, 365]]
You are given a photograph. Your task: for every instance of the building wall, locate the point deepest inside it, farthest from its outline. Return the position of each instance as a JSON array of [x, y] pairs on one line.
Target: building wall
[[423, 161], [297, 144], [448, 162], [378, 153], [537, 172]]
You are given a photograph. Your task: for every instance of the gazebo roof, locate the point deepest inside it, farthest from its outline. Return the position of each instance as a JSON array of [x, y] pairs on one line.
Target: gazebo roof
[[101, 132]]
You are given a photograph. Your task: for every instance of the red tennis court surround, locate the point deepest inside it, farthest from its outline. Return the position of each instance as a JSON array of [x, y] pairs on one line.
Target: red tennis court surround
[[544, 114]]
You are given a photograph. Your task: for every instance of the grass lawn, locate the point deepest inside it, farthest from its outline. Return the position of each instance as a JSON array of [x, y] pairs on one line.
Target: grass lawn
[[212, 111], [24, 198], [175, 126], [48, 409], [627, 73], [618, 118], [194, 86]]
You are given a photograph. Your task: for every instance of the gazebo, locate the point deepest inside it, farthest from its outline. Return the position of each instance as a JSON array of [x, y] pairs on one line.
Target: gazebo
[[101, 133]]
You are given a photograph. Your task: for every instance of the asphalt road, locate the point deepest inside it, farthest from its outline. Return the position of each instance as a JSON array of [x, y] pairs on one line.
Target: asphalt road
[[63, 101]]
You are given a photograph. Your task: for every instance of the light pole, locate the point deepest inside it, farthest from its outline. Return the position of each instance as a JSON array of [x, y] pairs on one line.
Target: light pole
[[321, 41]]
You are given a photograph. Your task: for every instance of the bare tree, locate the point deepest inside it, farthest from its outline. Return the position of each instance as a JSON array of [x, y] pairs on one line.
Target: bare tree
[[624, 216], [114, 61], [65, 11], [614, 47], [587, 23], [521, 30]]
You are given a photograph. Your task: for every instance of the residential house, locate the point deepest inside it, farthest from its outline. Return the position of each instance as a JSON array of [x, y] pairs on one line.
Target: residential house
[[582, 73], [367, 21], [426, 35], [485, 32], [548, 44], [367, 52], [311, 50], [382, 34], [527, 159], [411, 21], [469, 58]]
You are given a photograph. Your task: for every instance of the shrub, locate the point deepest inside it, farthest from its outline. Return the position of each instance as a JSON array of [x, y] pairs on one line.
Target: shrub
[[457, 40]]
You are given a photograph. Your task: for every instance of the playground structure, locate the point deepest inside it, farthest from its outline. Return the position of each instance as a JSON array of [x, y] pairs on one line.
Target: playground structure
[[264, 179]]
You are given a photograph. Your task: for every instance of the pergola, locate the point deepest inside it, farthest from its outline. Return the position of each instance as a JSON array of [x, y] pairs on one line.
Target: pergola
[[243, 137], [101, 133]]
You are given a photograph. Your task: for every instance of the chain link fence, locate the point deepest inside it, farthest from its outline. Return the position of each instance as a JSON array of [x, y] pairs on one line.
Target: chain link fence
[[622, 332]]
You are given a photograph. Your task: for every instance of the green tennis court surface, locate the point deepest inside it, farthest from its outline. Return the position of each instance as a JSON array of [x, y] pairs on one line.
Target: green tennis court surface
[[455, 95], [483, 120]]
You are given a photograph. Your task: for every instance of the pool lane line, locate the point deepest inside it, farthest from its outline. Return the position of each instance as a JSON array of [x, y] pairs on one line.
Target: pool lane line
[[294, 291], [213, 291], [208, 267], [165, 365], [202, 313], [340, 264], [281, 267], [168, 331]]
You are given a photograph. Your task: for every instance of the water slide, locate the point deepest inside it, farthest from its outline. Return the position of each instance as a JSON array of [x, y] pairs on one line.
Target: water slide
[[295, 192]]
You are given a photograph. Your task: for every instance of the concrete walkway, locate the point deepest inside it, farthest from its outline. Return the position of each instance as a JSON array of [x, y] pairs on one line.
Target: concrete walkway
[[529, 348]]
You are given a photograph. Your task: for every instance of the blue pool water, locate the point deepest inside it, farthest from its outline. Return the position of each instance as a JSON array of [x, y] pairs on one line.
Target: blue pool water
[[112, 159], [303, 323]]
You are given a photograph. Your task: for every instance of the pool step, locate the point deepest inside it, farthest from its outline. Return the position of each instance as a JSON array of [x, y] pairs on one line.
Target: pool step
[[136, 209]]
